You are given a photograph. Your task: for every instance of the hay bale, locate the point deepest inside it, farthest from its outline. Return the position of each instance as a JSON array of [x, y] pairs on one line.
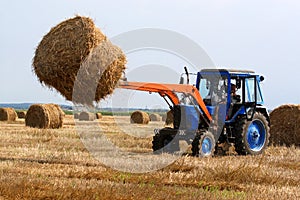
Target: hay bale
[[154, 117], [164, 117], [169, 118], [139, 117], [98, 115], [76, 115], [76, 49], [44, 116], [285, 125], [87, 116], [8, 114], [21, 114]]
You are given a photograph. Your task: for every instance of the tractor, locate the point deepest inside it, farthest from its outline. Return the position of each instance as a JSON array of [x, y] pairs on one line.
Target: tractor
[[224, 106]]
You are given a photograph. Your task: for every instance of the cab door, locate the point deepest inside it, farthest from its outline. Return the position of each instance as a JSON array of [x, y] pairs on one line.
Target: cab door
[[250, 96]]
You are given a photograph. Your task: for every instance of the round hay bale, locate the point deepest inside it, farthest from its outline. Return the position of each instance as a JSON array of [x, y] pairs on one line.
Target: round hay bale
[[154, 117], [285, 125], [21, 114], [87, 116], [164, 117], [77, 50], [44, 116], [8, 114], [139, 117], [98, 115], [76, 115], [169, 118]]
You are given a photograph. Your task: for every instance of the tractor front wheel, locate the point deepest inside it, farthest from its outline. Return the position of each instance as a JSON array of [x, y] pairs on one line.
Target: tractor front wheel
[[204, 144]]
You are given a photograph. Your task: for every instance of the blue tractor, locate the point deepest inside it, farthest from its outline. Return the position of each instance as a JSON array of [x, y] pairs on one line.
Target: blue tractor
[[222, 107], [234, 98]]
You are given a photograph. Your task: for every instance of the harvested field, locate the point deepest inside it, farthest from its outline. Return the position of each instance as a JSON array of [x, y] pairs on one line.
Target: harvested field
[[54, 164]]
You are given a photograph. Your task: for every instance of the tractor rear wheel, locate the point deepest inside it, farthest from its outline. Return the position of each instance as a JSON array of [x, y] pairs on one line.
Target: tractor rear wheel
[[252, 137], [204, 144]]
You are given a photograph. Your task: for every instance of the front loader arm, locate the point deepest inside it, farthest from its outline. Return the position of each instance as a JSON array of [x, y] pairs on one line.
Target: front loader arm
[[168, 90]]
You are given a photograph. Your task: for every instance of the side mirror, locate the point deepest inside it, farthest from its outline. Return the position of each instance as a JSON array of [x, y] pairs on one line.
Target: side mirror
[[261, 78]]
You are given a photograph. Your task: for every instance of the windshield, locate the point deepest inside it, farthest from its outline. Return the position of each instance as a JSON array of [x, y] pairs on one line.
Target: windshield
[[186, 99], [213, 89]]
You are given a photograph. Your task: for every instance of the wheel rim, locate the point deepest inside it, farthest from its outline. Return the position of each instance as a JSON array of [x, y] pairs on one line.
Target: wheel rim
[[206, 146], [256, 135]]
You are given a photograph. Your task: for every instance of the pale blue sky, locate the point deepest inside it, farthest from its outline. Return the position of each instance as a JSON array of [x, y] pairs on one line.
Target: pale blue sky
[[258, 35]]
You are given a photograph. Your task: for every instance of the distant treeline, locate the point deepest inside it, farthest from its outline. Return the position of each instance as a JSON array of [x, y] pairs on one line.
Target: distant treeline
[[104, 111], [25, 106]]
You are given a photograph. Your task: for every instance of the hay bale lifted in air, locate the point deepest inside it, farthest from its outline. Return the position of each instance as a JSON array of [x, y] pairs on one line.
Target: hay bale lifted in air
[[169, 118], [139, 117], [98, 115], [21, 114], [44, 116], [87, 116], [154, 117], [77, 50], [285, 125], [8, 114]]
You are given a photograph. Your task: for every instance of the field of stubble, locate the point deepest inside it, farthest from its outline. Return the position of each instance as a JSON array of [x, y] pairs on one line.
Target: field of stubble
[[54, 164]]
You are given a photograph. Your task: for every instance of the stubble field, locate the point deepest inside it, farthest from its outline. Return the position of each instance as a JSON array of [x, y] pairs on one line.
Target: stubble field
[[54, 164]]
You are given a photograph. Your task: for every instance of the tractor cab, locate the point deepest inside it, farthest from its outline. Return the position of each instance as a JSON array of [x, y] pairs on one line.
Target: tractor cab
[[234, 100], [236, 91]]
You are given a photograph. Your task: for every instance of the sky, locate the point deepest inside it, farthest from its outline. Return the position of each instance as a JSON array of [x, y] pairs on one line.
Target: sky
[[261, 35]]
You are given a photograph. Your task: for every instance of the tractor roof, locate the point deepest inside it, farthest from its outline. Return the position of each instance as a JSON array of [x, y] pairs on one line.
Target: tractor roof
[[230, 71]]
